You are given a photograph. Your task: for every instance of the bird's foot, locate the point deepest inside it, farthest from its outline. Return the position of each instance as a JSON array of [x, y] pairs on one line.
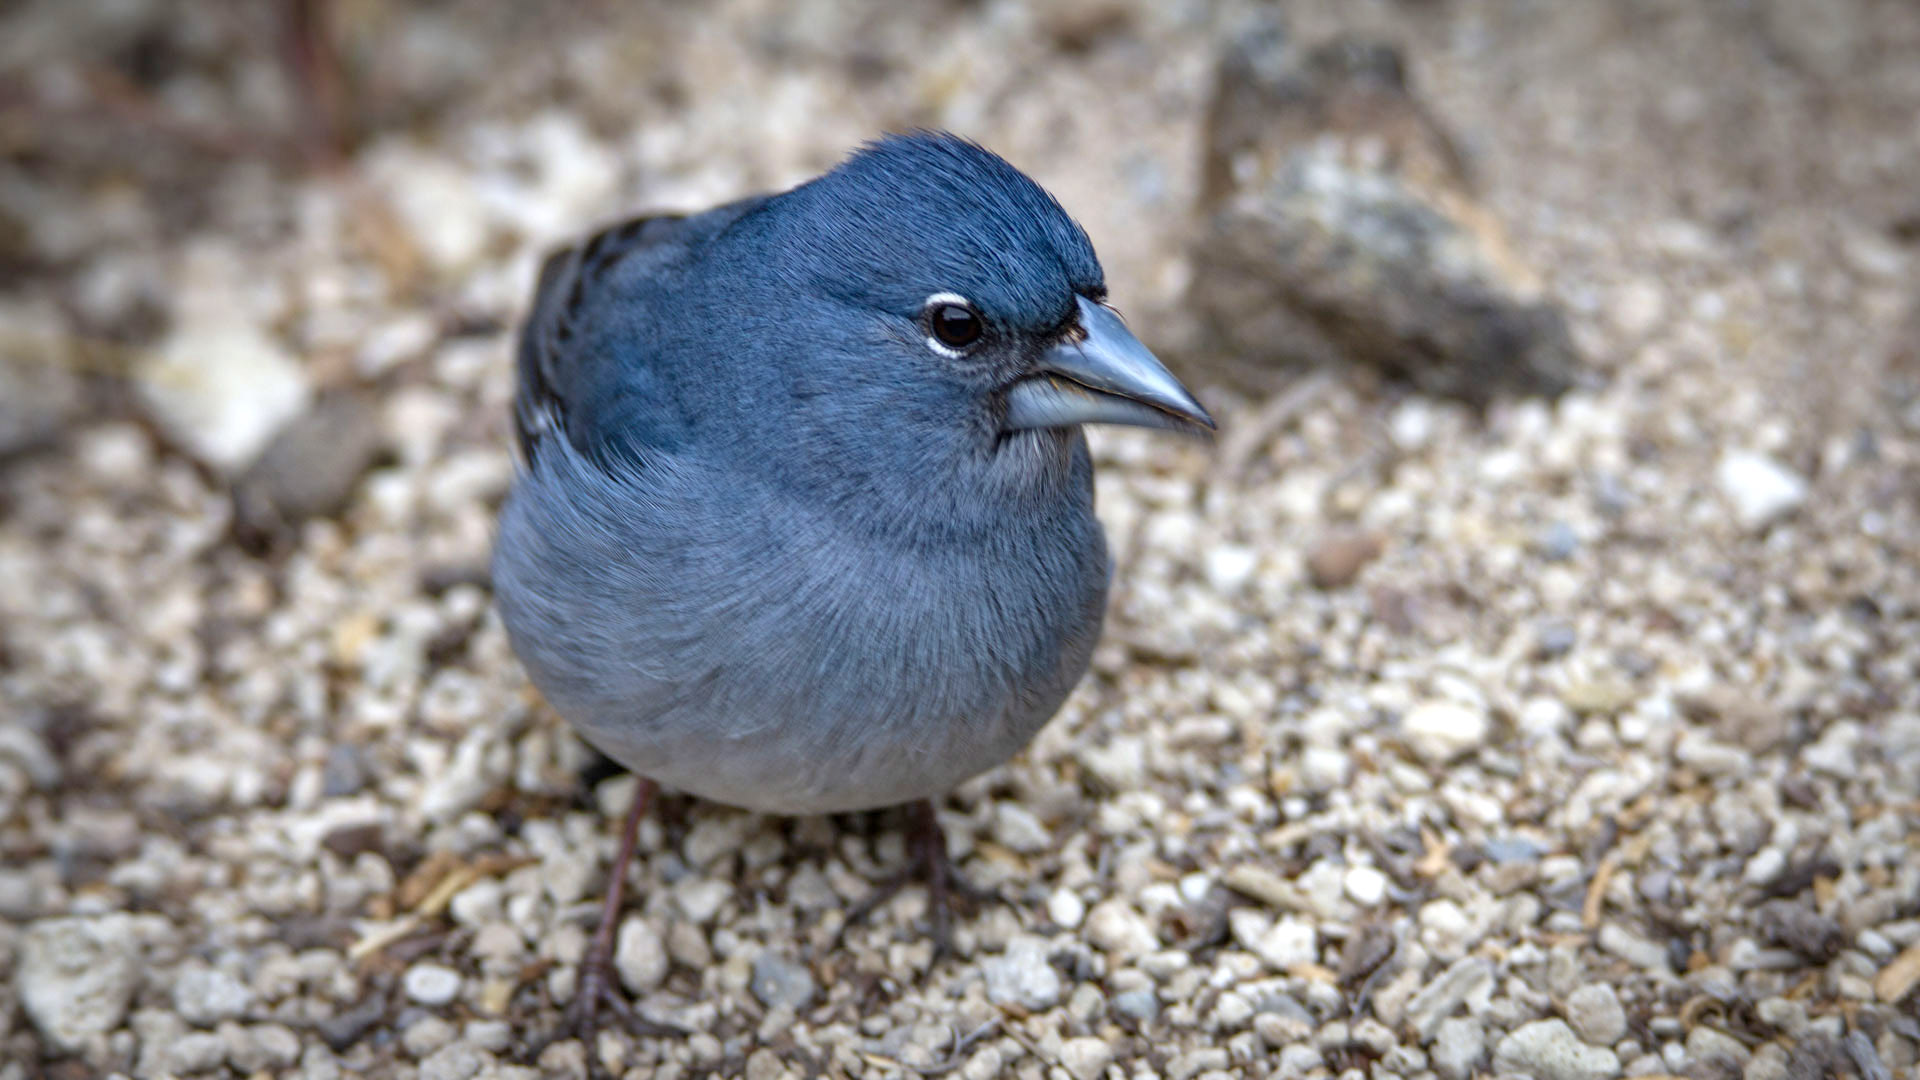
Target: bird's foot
[[596, 993], [927, 862], [598, 986]]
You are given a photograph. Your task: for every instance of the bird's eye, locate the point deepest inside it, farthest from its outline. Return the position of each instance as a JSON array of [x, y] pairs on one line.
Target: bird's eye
[[954, 324]]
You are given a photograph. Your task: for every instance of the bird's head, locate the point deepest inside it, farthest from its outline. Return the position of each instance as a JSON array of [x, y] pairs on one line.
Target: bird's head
[[967, 287]]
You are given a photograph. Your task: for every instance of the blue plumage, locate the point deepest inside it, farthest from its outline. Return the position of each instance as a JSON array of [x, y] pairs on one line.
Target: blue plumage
[[806, 518]]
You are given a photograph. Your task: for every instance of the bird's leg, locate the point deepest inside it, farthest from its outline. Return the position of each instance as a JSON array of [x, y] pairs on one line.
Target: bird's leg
[[598, 986], [927, 860]]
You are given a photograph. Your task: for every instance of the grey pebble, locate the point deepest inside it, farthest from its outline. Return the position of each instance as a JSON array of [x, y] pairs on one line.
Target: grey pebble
[[76, 976], [1512, 849], [1143, 1007], [205, 996], [1556, 637], [1557, 542], [1549, 1050], [344, 772], [1458, 1048], [779, 981], [1022, 977], [1467, 978], [1594, 1011]]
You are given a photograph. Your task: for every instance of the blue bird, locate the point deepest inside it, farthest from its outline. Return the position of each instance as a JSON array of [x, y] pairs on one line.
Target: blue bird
[[805, 518]]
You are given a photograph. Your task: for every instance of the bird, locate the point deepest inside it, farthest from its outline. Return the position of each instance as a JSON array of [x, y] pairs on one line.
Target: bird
[[802, 519]]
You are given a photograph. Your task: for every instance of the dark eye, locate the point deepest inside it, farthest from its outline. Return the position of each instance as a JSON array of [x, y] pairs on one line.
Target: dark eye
[[955, 325]]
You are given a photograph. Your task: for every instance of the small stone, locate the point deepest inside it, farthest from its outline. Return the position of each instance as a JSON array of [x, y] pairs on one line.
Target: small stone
[[221, 387], [425, 1035], [311, 465], [1195, 1062], [205, 996], [264, 1047], [1468, 978], [198, 1051], [1279, 1028], [1289, 943], [778, 981], [1086, 1058], [1231, 1012], [1549, 1050], [479, 904], [431, 984], [1555, 638], [1366, 885], [701, 898], [1637, 308], [1595, 1012], [1898, 978], [1324, 768], [1300, 1059], [1802, 929], [1557, 542], [1632, 948], [1458, 1048], [456, 1061], [1704, 1044], [75, 976], [640, 956], [1761, 490], [1769, 1062], [1139, 1006], [1066, 909], [1228, 566], [1115, 766], [1710, 757], [1338, 557], [1439, 731], [1262, 884], [1022, 977], [1788, 1015], [765, 1064], [344, 772], [1590, 697], [1016, 827], [688, 946], [1115, 927]]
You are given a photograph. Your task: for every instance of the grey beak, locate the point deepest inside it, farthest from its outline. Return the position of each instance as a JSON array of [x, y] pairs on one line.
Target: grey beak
[[1102, 376]]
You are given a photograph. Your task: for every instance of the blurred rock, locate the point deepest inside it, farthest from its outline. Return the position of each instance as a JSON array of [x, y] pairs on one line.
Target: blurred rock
[[1338, 557], [1761, 489], [312, 464], [1338, 226], [221, 387], [1549, 1050], [76, 976], [39, 392]]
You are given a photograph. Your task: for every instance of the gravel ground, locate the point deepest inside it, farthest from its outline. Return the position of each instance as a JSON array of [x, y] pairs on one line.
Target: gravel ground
[[1569, 740]]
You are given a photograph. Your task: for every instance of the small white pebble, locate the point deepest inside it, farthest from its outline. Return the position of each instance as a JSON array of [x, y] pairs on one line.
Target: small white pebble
[[1366, 885], [431, 984], [1066, 909]]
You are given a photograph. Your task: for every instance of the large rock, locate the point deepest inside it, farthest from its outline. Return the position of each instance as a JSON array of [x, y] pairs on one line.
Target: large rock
[[76, 976], [311, 466], [1338, 226]]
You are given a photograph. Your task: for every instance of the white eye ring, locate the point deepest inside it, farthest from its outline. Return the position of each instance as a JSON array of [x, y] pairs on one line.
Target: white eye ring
[[943, 299]]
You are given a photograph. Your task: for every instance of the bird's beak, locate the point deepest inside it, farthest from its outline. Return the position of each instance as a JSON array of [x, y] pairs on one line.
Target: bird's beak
[[1102, 374]]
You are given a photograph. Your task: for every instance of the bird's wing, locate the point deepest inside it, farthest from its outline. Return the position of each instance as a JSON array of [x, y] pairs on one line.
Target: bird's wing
[[566, 376]]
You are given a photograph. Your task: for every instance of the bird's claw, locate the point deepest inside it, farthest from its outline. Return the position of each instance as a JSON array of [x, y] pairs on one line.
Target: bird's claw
[[581, 1020], [928, 863]]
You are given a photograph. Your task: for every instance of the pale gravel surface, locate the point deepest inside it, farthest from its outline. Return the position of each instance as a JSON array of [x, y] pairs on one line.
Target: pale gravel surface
[[1612, 753]]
